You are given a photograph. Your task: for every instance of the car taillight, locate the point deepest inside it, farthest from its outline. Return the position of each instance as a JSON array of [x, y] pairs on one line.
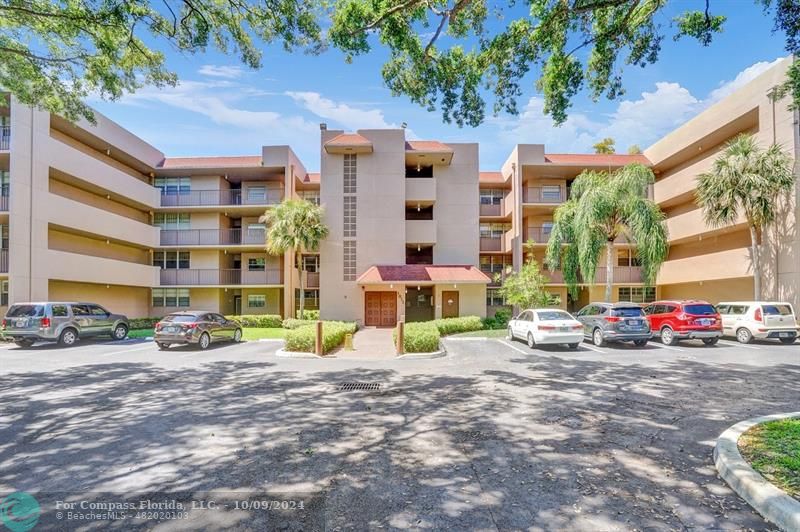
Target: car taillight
[[612, 319], [758, 316], [577, 327], [45, 322], [4, 324], [158, 326], [682, 317]]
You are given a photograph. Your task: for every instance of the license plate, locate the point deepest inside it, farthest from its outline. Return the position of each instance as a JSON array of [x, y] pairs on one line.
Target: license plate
[[785, 335], [21, 323], [563, 329], [633, 322], [704, 322], [170, 329]]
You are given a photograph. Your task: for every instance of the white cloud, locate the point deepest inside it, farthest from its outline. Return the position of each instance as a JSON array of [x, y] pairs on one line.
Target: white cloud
[[221, 71], [343, 114], [745, 76]]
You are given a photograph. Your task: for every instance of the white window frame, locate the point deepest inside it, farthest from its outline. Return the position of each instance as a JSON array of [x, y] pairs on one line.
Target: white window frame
[[256, 300]]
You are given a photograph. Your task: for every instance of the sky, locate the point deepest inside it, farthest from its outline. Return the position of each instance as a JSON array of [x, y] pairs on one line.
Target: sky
[[221, 107]]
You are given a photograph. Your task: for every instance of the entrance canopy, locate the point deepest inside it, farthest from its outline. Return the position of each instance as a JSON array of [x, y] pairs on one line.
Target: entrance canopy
[[423, 274]]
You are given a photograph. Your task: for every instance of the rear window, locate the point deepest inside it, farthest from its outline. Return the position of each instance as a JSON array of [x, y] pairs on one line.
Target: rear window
[[777, 310], [627, 312], [702, 310], [180, 318], [553, 315], [25, 311]]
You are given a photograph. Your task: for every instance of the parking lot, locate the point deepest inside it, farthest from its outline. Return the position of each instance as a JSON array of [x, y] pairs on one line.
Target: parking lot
[[494, 435]]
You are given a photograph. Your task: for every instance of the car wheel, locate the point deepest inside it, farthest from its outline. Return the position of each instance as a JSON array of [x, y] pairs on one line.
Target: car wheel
[[237, 335], [531, 342], [640, 343], [710, 341], [744, 336], [573, 346], [597, 338], [787, 340], [25, 342], [119, 332], [205, 341], [668, 336], [162, 347], [68, 337], [510, 334]]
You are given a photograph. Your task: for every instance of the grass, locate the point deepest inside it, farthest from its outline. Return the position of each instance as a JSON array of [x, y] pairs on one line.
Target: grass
[[773, 449], [248, 333], [486, 333]]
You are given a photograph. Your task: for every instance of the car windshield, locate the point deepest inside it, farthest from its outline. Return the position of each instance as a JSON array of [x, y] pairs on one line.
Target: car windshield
[[627, 312], [553, 315], [777, 310], [180, 318], [702, 309], [25, 311]]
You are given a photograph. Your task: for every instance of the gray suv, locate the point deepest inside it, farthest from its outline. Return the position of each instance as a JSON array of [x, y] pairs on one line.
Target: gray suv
[[614, 322], [61, 322]]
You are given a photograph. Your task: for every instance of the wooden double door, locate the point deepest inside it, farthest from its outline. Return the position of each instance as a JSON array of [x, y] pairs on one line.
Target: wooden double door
[[380, 309]]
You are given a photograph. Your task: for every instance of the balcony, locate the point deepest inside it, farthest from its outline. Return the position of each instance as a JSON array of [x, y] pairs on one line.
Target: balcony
[[213, 237], [3, 203], [312, 279], [421, 231], [622, 274], [422, 189], [3, 261], [500, 244], [544, 195], [538, 233], [66, 266], [212, 198], [5, 138], [229, 277], [493, 209]]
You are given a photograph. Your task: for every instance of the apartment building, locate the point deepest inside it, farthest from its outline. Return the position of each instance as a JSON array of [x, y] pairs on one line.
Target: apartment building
[[417, 231]]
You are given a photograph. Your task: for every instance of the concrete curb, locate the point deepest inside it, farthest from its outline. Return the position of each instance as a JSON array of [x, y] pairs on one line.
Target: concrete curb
[[773, 504], [422, 356], [296, 354]]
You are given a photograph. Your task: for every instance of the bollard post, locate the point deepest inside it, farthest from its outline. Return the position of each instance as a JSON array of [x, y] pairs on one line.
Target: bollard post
[[318, 339], [400, 334]]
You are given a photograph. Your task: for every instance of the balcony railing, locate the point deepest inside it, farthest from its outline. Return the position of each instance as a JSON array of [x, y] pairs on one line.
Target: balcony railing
[[312, 279], [539, 234], [5, 137], [491, 210], [200, 198], [3, 261], [3, 203], [543, 195], [195, 277], [622, 274], [491, 244], [212, 237]]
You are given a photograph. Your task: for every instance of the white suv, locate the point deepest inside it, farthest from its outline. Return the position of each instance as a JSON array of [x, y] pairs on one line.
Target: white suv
[[758, 319]]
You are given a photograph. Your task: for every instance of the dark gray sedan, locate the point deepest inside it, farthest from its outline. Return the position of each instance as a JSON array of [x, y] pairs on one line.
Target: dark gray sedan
[[614, 322], [201, 328]]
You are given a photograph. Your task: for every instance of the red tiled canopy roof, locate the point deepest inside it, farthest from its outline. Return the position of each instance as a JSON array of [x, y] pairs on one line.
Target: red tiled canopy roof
[[211, 162], [491, 177], [427, 145], [349, 139], [423, 273], [595, 159], [311, 177]]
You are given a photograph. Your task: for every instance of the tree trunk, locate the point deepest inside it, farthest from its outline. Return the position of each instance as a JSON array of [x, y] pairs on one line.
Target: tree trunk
[[299, 260], [609, 269], [756, 263]]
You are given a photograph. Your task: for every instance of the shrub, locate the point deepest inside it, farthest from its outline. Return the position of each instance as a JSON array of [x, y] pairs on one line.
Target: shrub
[[499, 321], [292, 323], [458, 325], [308, 315], [419, 337], [267, 321], [143, 323], [333, 332]]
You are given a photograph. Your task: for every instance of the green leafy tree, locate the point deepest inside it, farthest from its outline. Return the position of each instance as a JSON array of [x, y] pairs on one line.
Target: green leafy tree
[[634, 149], [295, 225], [603, 206], [527, 287], [454, 55], [605, 146], [746, 181]]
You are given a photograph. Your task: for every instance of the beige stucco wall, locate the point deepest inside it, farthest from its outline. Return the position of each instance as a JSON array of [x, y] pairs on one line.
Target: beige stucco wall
[[457, 208], [134, 302], [471, 299]]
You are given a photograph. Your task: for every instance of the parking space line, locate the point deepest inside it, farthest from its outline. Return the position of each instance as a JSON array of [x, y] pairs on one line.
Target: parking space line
[[593, 348], [662, 346], [515, 348], [737, 344], [142, 348]]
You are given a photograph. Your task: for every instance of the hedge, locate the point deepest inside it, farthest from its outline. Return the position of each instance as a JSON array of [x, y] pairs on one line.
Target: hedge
[[457, 325], [301, 339], [292, 323], [142, 323], [264, 321], [308, 315], [419, 337], [499, 321]]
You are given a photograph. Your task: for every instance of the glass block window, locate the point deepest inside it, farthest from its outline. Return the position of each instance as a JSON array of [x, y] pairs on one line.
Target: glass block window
[[349, 181], [350, 210], [349, 260]]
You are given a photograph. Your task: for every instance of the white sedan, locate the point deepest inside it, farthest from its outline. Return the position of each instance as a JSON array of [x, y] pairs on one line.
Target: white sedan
[[546, 326]]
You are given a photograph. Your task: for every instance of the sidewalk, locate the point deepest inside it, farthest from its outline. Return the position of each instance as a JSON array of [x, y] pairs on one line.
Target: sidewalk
[[371, 343]]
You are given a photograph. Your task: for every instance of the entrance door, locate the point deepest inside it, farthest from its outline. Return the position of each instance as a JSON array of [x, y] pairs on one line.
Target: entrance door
[[380, 309], [450, 304], [237, 305]]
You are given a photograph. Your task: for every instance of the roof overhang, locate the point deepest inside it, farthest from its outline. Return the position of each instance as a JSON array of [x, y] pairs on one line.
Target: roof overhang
[[428, 152], [423, 274], [348, 143]]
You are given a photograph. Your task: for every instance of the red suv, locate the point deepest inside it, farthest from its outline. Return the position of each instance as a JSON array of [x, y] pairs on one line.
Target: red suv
[[680, 320]]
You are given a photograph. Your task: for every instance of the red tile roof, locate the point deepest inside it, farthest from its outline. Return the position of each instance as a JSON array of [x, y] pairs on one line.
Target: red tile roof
[[427, 145], [423, 273], [311, 177], [211, 162], [349, 139], [491, 177], [594, 159]]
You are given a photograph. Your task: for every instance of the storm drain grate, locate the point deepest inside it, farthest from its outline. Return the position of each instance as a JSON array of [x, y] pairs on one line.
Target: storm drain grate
[[359, 387]]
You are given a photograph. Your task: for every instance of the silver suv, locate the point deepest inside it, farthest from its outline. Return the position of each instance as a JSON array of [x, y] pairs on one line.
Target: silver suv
[[60, 322], [614, 322]]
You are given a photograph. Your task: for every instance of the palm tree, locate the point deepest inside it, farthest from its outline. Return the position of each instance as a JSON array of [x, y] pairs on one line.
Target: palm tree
[[746, 180], [603, 206], [295, 225]]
